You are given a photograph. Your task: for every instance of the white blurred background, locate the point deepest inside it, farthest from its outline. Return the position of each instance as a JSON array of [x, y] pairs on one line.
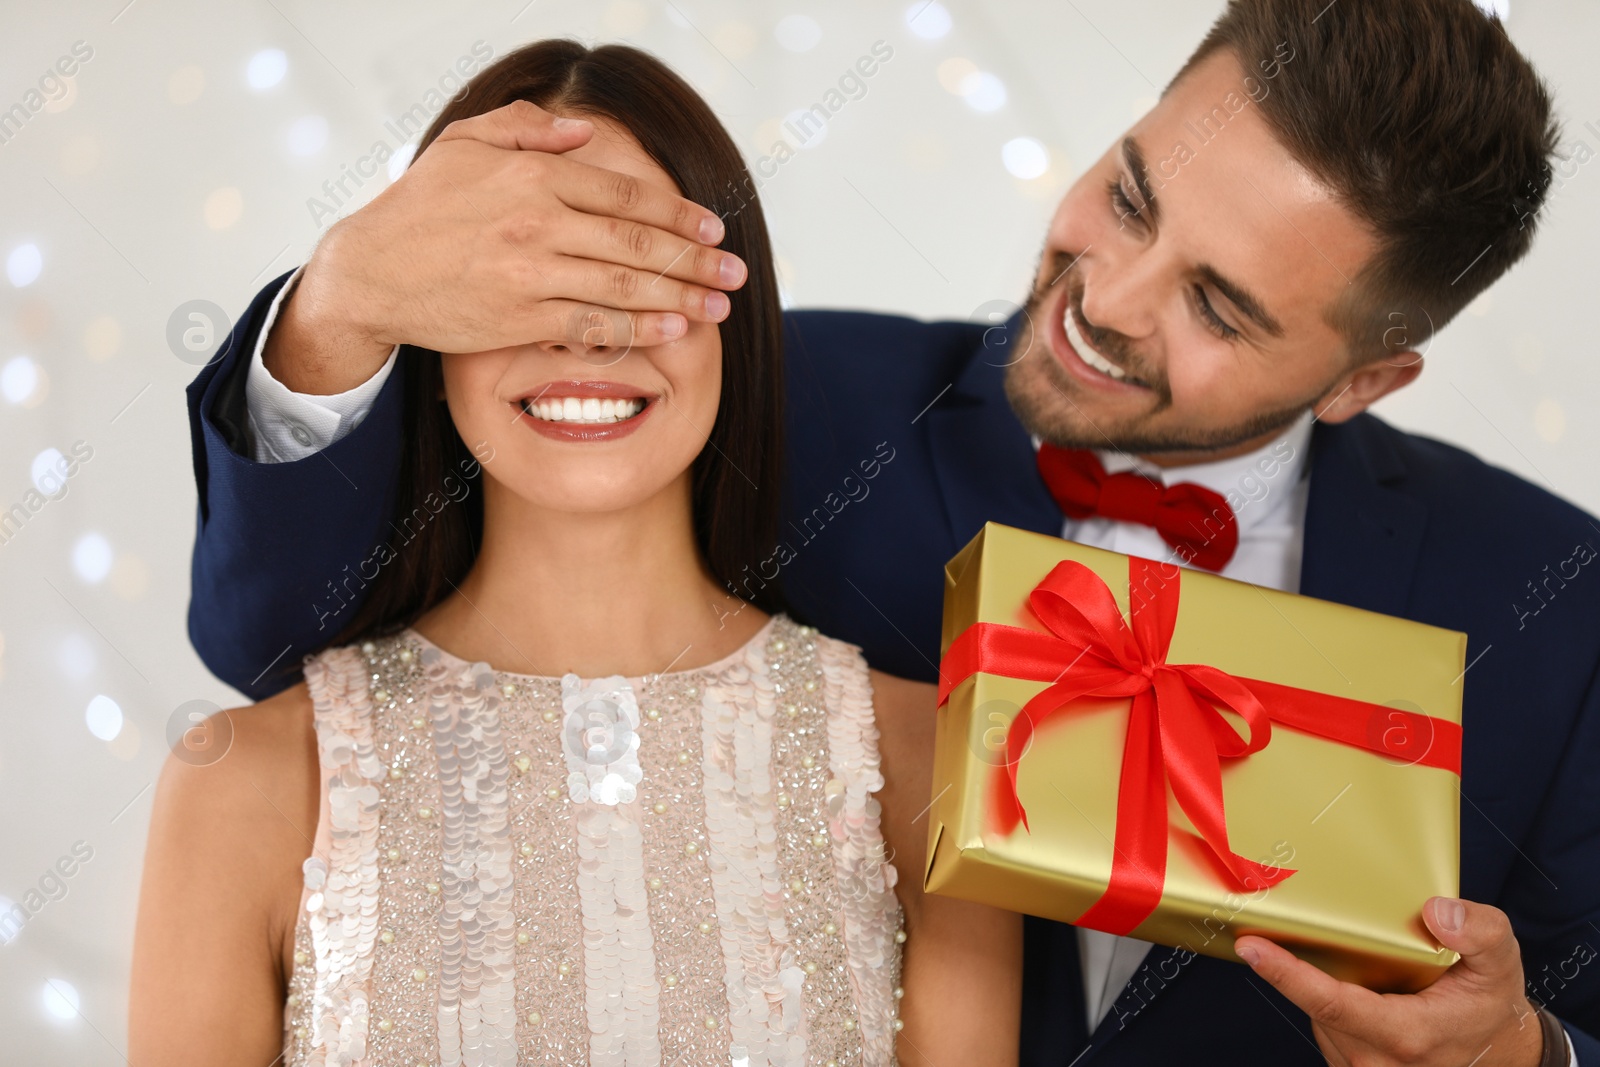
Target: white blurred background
[[178, 163]]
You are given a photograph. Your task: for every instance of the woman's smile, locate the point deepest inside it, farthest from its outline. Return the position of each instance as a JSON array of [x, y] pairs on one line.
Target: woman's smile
[[585, 410]]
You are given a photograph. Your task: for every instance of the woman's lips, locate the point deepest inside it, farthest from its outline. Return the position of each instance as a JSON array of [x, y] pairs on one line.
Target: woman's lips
[[585, 410]]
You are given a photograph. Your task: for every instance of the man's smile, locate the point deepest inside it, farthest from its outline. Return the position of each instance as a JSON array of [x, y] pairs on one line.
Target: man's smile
[[1074, 352]]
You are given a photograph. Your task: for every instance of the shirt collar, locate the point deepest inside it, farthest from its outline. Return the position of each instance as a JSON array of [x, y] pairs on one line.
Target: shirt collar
[[1277, 465]]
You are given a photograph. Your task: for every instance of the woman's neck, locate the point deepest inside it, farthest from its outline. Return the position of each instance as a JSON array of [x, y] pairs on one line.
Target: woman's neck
[[595, 594]]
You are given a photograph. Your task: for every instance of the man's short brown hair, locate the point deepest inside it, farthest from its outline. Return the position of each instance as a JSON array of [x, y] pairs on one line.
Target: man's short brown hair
[[1423, 117]]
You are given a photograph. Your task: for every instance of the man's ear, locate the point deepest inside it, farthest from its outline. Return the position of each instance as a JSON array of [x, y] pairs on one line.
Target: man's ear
[[1366, 385]]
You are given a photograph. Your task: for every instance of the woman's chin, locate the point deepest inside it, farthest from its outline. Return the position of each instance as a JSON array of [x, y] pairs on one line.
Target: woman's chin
[[597, 490]]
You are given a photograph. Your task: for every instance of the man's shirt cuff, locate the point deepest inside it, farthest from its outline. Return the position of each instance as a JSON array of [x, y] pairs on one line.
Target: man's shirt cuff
[[284, 425]]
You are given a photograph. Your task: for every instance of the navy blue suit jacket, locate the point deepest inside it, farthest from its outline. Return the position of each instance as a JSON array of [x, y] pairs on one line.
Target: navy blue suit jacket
[[901, 445]]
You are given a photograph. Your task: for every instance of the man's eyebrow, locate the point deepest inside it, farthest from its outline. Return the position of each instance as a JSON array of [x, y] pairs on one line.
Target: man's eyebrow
[[1134, 158], [1237, 294], [1242, 299]]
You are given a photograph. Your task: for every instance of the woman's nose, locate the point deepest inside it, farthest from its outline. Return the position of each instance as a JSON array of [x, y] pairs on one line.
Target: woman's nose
[[597, 355]]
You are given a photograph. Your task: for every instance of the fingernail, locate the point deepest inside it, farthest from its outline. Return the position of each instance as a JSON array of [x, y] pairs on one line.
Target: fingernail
[[711, 230], [717, 305], [731, 271], [562, 122], [1249, 953], [673, 325], [1450, 913]]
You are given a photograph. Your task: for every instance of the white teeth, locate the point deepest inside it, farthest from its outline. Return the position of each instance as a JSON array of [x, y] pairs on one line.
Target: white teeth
[[585, 411], [1090, 356]]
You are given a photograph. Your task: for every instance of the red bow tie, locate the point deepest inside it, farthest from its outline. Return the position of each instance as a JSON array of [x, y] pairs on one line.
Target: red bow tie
[[1194, 520]]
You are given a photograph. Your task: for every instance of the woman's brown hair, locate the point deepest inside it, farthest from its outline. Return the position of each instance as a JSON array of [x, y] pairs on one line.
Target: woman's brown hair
[[735, 477]]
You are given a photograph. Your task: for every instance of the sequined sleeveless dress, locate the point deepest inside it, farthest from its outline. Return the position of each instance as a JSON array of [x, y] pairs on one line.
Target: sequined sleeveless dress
[[680, 869]]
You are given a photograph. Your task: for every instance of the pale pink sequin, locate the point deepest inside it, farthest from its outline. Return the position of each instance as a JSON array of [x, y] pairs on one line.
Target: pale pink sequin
[[681, 868]]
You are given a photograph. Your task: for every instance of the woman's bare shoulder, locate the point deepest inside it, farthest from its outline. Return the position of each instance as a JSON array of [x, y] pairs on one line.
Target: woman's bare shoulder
[[234, 818], [240, 786], [270, 746]]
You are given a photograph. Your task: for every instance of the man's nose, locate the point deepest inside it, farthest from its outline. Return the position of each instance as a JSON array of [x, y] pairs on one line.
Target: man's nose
[[1124, 295]]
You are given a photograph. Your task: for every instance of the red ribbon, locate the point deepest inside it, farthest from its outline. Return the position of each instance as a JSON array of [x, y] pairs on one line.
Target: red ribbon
[[1172, 736]]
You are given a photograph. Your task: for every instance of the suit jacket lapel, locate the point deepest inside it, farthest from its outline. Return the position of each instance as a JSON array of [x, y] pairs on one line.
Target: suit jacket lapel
[[1362, 533], [983, 458], [1054, 1029], [1160, 969]]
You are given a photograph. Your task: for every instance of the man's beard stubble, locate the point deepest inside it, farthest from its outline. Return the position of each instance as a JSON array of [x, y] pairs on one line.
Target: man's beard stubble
[[1041, 391]]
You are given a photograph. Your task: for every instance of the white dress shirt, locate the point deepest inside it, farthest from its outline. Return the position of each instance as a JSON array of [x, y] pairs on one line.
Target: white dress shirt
[[1268, 490]]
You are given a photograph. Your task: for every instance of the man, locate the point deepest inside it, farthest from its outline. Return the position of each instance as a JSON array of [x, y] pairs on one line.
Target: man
[[1221, 298]]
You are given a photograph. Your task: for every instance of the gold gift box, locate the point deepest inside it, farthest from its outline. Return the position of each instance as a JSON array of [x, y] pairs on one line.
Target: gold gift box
[[1370, 837]]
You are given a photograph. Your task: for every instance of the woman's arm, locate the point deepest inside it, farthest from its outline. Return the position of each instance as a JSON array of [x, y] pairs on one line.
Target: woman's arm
[[963, 961], [221, 890]]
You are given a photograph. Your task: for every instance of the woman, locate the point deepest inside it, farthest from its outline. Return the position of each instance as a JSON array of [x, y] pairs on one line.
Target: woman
[[557, 795]]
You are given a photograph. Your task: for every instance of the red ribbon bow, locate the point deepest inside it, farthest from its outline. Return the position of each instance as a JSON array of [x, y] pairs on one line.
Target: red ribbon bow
[[1197, 522], [1172, 736]]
